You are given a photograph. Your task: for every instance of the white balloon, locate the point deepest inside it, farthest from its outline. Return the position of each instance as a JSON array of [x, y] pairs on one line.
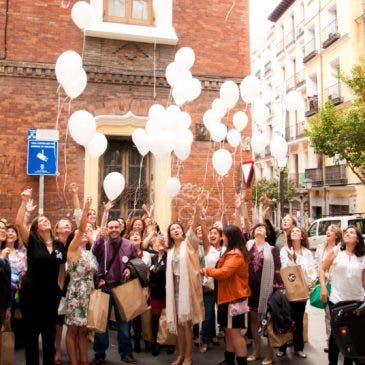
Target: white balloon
[[185, 57], [75, 87], [184, 120], [279, 147], [234, 137], [210, 118], [81, 14], [260, 112], [182, 149], [229, 93], [181, 91], [173, 186], [113, 185], [196, 89], [292, 101], [140, 139], [82, 127], [97, 146], [67, 65], [258, 143], [218, 132], [155, 111], [185, 134], [222, 161], [240, 121], [175, 73], [250, 88], [219, 107]]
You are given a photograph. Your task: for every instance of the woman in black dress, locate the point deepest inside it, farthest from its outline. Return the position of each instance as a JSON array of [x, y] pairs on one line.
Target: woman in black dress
[[39, 291]]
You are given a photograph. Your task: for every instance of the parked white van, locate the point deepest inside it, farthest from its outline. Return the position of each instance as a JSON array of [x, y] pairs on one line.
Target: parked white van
[[317, 230]]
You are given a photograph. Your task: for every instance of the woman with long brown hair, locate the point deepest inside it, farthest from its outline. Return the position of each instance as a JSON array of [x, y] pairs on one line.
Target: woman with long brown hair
[[231, 273]]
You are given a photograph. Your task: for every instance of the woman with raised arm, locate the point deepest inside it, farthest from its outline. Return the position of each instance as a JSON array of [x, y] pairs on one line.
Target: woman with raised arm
[[39, 291], [184, 294], [18, 264], [82, 267], [231, 273], [347, 265]]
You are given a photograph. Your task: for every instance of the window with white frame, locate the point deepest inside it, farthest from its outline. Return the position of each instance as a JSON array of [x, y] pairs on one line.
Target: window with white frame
[[148, 21]]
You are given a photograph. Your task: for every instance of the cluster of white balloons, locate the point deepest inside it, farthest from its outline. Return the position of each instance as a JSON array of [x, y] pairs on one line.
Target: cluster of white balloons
[[70, 73], [167, 130], [185, 87], [82, 127]]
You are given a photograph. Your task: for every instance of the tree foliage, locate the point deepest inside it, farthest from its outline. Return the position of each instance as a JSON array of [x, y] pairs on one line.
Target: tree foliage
[[340, 132], [270, 187]]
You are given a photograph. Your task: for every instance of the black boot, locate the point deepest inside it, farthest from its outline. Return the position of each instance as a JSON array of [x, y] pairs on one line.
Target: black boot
[[228, 358], [155, 348], [137, 345], [170, 349], [241, 360]]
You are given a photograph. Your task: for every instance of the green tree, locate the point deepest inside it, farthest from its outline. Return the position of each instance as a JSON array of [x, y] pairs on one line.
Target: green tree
[[270, 187], [340, 132]]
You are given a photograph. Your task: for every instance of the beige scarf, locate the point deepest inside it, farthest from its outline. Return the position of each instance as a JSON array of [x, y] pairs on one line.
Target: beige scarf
[[184, 299]]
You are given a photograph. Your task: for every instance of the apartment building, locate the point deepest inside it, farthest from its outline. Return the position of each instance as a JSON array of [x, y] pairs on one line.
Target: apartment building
[[308, 43]]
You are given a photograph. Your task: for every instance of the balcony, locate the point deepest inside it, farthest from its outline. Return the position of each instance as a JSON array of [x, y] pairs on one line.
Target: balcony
[[267, 151], [290, 84], [336, 175], [312, 106], [289, 39], [295, 131], [309, 50], [299, 29], [279, 46], [315, 175], [333, 93], [330, 34], [300, 78]]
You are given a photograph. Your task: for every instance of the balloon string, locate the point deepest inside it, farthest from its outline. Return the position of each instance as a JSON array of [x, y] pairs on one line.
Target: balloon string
[[154, 70], [83, 48], [206, 163], [136, 193], [65, 158], [234, 170], [230, 10]]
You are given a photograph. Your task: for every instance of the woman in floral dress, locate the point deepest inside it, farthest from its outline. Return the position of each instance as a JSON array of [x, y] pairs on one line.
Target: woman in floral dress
[[82, 267]]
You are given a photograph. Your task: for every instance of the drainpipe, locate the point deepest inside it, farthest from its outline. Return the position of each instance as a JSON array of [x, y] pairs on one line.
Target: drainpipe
[[5, 51]]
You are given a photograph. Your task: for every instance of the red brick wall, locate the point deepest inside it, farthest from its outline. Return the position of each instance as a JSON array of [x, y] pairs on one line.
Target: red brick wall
[[40, 31]]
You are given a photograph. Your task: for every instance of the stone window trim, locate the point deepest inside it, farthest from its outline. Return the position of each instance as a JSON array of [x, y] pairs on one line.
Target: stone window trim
[[160, 32]]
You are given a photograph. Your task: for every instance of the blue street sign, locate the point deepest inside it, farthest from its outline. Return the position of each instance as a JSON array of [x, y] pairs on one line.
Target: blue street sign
[[42, 156]]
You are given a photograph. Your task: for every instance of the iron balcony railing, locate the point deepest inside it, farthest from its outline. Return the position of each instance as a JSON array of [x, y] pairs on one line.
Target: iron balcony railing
[[312, 105], [330, 33], [309, 50], [333, 93], [336, 175]]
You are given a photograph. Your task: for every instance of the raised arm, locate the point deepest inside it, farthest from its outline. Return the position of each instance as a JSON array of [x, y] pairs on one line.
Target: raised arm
[[104, 220], [74, 249], [20, 217]]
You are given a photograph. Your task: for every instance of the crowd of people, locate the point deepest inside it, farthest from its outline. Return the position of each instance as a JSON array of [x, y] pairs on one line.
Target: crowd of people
[[207, 280]]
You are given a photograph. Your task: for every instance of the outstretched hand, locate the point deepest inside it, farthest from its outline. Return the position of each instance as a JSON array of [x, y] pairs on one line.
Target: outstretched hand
[[107, 206], [264, 200], [29, 207], [74, 188], [88, 203], [26, 194]]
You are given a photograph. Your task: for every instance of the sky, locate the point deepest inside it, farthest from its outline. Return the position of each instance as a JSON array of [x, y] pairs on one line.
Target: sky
[[259, 11]]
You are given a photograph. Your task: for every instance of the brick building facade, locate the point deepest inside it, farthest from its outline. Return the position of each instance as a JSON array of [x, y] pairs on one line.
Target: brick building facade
[[125, 77]]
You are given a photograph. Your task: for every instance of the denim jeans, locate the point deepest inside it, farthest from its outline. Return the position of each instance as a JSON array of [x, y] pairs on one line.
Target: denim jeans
[[208, 325], [101, 340]]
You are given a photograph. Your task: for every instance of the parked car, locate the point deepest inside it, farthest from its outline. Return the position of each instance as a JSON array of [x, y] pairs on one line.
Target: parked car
[[317, 230]]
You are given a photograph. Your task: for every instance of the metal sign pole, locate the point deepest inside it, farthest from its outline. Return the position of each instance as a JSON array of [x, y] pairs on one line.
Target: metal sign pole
[[41, 195]]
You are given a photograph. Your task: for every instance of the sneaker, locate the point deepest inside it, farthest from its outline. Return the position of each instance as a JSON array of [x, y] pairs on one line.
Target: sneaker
[[300, 354], [280, 354]]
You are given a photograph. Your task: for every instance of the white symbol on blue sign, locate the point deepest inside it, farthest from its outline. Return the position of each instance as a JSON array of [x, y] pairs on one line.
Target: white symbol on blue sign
[[42, 158]]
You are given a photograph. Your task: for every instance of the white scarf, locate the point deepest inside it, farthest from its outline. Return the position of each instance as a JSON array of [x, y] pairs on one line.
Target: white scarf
[[184, 300]]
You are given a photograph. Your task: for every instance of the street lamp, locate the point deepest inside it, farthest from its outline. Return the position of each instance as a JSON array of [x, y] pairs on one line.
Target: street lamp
[[308, 183]]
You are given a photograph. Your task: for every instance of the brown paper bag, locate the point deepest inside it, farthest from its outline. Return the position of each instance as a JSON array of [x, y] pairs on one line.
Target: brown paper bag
[[277, 340], [97, 314], [163, 336], [305, 327], [146, 320], [296, 288], [130, 299], [6, 345]]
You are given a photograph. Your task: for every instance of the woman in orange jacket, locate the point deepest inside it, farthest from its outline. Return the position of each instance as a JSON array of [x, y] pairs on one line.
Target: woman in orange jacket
[[231, 273]]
